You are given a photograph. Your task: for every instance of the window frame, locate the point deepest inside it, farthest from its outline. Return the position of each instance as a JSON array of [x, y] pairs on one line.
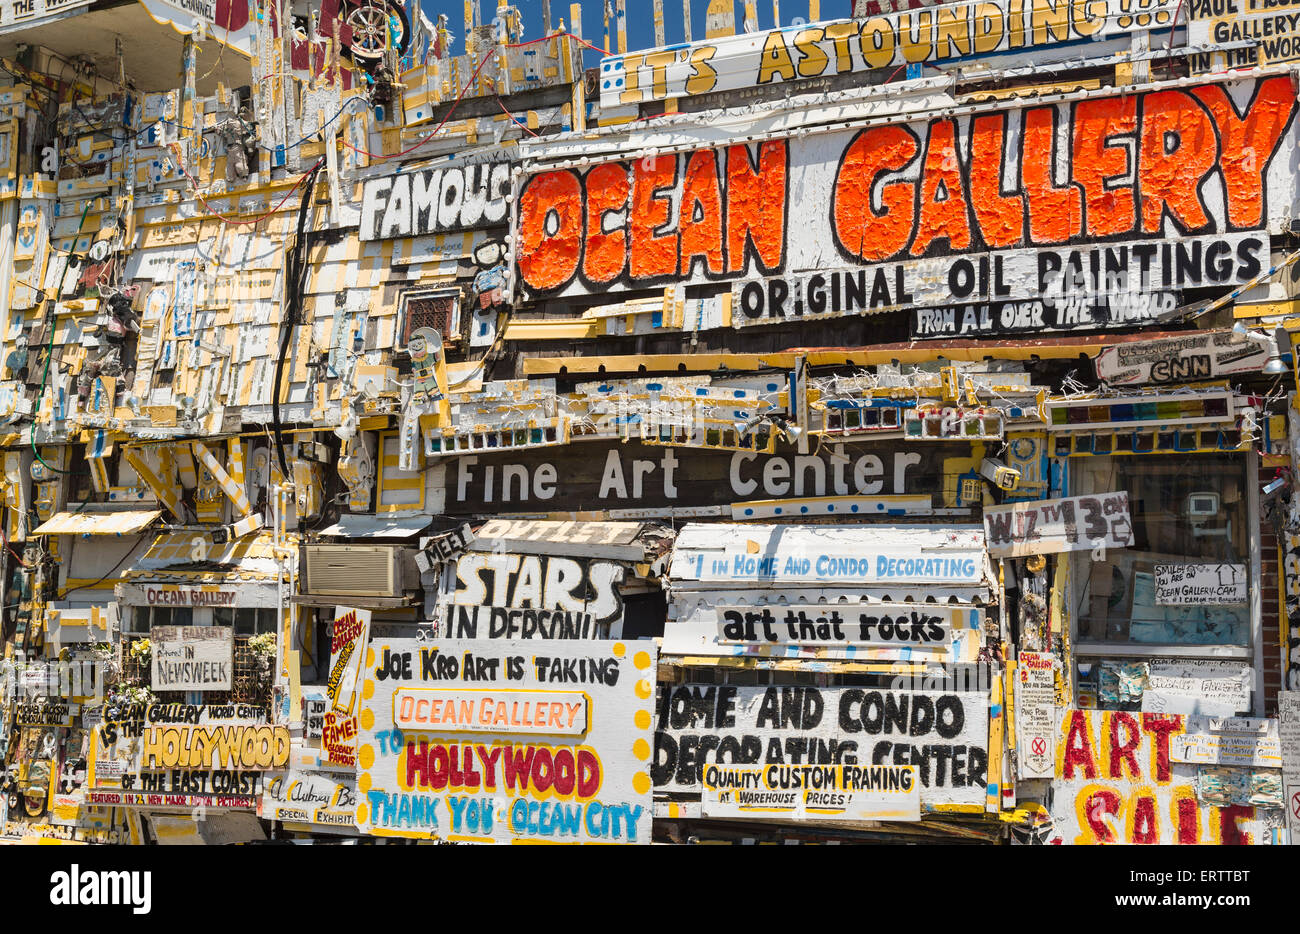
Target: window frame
[[1252, 653]]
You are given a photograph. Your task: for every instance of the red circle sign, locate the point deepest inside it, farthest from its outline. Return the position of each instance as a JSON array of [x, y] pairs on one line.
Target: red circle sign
[[1039, 747]]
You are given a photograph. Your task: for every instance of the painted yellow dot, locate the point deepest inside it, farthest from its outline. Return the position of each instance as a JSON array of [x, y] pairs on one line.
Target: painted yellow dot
[[367, 756], [363, 782], [641, 749], [363, 812], [619, 649], [367, 718], [368, 689], [643, 689], [643, 719], [641, 660], [370, 658], [640, 781]]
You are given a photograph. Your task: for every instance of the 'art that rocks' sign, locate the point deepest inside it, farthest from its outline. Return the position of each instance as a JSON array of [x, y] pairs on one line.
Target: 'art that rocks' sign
[[505, 741]]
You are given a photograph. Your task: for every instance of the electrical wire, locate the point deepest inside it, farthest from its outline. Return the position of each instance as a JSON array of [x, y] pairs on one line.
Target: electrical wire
[[230, 220], [460, 96]]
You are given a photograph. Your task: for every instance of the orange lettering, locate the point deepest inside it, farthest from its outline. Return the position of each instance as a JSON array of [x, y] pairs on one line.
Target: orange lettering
[[756, 206], [1107, 211], [1001, 217], [862, 232], [1054, 213], [550, 230], [1178, 151], [700, 217], [652, 256], [605, 253], [943, 214], [1248, 145]]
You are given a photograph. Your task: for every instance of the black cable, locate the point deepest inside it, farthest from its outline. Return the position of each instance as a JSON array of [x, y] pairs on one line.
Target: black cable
[[295, 280]]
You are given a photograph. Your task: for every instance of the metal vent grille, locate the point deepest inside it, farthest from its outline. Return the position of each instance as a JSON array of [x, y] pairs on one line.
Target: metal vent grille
[[350, 569], [437, 310]]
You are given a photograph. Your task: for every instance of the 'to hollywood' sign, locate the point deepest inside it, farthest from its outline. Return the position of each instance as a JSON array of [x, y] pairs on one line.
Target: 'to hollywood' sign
[[1156, 166]]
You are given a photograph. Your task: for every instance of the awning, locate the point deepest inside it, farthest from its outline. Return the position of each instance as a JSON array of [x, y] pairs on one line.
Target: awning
[[367, 526], [194, 557], [126, 522]]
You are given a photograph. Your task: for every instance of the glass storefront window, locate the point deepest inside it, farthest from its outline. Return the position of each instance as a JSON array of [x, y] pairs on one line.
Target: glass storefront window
[[1187, 510]]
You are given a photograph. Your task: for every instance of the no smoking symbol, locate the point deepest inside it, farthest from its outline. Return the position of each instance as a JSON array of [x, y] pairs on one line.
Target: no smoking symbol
[[1295, 804], [1039, 748]]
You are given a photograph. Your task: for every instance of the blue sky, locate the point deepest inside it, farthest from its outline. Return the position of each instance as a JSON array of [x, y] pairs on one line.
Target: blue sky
[[640, 26]]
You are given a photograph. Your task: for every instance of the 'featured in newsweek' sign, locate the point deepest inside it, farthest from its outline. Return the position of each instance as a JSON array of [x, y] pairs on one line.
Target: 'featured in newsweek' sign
[[192, 658], [1048, 526]]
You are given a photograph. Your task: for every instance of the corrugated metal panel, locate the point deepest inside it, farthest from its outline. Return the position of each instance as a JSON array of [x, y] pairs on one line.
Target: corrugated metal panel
[[127, 522]]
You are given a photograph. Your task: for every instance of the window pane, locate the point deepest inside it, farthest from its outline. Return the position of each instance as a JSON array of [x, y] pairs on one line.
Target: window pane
[[1186, 511], [223, 616], [245, 621]]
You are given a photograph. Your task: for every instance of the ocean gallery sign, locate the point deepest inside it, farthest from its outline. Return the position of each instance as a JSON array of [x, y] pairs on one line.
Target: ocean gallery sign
[[495, 741], [799, 739], [609, 475], [1173, 189]]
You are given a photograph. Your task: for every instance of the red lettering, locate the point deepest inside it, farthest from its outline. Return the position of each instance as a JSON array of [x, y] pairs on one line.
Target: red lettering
[[1124, 751], [588, 773], [1100, 803], [1229, 833], [1159, 729], [1078, 747], [1144, 828]]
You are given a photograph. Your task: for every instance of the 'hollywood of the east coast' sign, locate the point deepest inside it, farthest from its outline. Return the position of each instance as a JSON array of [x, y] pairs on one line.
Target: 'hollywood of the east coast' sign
[[499, 741], [183, 756]]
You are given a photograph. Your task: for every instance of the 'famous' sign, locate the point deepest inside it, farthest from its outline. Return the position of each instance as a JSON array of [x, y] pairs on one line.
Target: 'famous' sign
[[1010, 182]]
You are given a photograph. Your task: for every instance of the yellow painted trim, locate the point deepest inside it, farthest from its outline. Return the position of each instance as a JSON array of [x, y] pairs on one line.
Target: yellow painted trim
[[700, 363], [559, 329]]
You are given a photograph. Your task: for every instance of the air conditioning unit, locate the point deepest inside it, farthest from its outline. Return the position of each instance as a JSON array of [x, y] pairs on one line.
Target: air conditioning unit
[[357, 570]]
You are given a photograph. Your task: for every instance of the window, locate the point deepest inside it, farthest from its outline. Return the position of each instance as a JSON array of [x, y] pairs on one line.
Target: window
[[248, 621], [430, 308], [1189, 519], [143, 618]]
